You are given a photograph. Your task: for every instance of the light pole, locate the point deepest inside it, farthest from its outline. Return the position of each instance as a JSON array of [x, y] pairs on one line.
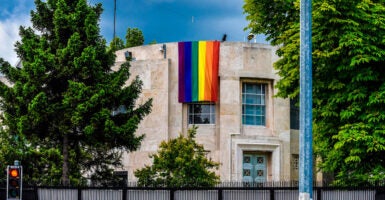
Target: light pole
[[305, 118], [114, 36]]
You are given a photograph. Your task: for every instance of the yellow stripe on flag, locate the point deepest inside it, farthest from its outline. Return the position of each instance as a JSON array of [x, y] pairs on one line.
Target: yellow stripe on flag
[[201, 69]]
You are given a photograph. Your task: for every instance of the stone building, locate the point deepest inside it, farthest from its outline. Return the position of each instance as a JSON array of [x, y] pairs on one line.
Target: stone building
[[247, 130]]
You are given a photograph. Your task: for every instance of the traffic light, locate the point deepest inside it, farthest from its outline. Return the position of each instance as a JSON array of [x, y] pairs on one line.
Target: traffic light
[[14, 182]]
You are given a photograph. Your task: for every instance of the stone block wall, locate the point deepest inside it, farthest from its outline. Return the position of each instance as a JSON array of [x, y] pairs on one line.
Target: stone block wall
[[227, 139]]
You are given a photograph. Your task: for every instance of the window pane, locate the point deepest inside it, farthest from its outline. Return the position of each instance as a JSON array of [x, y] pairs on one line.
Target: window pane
[[205, 109], [258, 110], [197, 109], [258, 121], [249, 110], [250, 99], [190, 109], [258, 99], [263, 111], [212, 118], [191, 119], [254, 110], [248, 88], [197, 119], [249, 120], [205, 119], [258, 89], [251, 88]]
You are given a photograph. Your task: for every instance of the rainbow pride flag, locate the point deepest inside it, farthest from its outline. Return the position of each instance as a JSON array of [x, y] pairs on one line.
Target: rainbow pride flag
[[198, 71]]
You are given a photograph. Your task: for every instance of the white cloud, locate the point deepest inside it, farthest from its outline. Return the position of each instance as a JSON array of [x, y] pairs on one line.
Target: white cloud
[[9, 31]]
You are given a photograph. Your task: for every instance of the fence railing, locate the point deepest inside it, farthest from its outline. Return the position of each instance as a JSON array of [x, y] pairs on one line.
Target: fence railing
[[217, 193]]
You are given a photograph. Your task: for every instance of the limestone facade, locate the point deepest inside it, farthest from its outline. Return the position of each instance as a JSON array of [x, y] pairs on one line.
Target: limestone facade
[[228, 139]]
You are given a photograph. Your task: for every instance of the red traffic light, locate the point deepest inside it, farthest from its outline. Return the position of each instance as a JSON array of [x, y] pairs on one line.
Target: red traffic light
[[14, 173], [14, 182]]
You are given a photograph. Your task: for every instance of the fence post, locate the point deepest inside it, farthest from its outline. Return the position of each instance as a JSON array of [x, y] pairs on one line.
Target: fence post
[[272, 194], [35, 189], [79, 193], [124, 195], [220, 194], [172, 194], [319, 194]]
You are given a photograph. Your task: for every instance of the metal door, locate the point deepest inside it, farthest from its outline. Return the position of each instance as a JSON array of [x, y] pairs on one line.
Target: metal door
[[260, 168], [254, 168]]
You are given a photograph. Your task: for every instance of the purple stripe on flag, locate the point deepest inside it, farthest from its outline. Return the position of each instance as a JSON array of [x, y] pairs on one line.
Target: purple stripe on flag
[[187, 72], [181, 88]]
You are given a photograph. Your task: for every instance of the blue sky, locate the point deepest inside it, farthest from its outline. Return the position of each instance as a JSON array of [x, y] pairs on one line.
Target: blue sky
[[159, 20]]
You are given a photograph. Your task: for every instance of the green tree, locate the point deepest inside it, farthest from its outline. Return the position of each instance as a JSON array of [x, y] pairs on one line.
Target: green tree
[[116, 44], [348, 86], [66, 97], [134, 37], [42, 161], [153, 42], [179, 162]]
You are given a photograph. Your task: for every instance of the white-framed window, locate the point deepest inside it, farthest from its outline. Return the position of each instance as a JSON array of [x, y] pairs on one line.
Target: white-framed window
[[201, 113], [254, 103]]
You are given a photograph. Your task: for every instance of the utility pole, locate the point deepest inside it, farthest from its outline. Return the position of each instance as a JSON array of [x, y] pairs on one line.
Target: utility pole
[[306, 117]]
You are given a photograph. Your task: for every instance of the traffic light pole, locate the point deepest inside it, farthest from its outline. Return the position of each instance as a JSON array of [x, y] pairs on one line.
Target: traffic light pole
[[306, 117]]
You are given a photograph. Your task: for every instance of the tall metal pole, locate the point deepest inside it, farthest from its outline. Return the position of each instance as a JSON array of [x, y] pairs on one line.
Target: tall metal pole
[[114, 20], [306, 118]]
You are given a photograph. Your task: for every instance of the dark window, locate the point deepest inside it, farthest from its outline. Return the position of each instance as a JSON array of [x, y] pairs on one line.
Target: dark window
[[201, 113], [294, 114]]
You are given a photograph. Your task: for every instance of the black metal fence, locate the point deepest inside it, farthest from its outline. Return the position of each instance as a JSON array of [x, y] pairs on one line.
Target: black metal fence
[[215, 193]]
